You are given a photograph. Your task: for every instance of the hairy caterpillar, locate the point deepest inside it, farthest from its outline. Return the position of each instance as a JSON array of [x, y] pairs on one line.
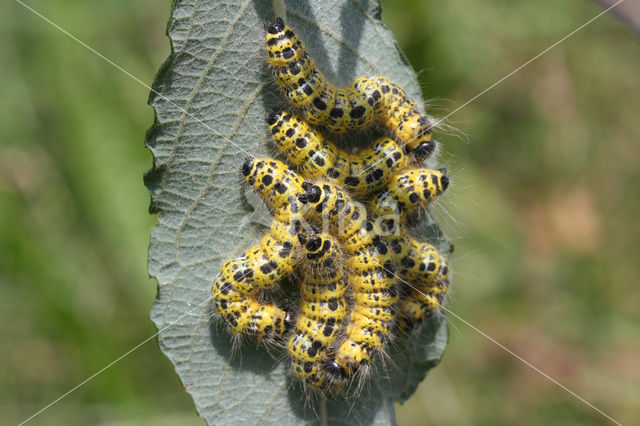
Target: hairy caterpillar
[[370, 274], [323, 308], [259, 268], [419, 264], [427, 272], [408, 192], [374, 291], [366, 101], [362, 173], [234, 290], [279, 186]]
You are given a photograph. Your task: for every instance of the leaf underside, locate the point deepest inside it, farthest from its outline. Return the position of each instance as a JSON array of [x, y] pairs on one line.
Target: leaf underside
[[210, 99]]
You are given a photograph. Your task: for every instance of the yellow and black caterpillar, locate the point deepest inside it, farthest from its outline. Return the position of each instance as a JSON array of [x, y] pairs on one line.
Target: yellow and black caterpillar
[[361, 173], [423, 272], [366, 101], [370, 276], [323, 308], [236, 289], [428, 273], [236, 298]]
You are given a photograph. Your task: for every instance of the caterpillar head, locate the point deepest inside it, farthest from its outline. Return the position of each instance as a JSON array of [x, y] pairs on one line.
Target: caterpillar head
[[444, 179], [321, 250], [275, 27], [313, 193], [414, 130], [424, 150], [247, 166], [336, 373]]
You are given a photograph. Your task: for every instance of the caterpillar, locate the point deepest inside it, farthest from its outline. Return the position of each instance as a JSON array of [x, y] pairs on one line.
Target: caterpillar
[[362, 173], [333, 210], [365, 101], [427, 272], [370, 275], [323, 308], [234, 289], [374, 291], [419, 265], [407, 192]]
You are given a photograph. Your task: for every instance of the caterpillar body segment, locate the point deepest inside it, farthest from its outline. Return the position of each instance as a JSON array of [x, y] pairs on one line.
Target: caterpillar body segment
[[361, 239], [350, 111], [408, 192], [289, 75], [373, 168], [279, 186], [323, 308], [276, 256], [318, 111], [304, 147], [361, 173], [374, 292], [260, 267], [334, 210], [425, 273], [313, 86], [370, 89], [364, 102]]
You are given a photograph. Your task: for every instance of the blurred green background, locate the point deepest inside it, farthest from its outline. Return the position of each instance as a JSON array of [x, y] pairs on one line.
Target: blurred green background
[[543, 211]]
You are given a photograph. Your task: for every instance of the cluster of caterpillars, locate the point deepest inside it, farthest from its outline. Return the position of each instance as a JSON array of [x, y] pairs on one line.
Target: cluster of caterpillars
[[340, 224]]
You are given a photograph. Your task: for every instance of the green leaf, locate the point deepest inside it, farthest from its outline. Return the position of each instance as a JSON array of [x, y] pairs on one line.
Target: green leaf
[[210, 98]]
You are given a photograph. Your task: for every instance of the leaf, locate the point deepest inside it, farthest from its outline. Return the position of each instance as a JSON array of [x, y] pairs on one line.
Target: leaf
[[210, 99]]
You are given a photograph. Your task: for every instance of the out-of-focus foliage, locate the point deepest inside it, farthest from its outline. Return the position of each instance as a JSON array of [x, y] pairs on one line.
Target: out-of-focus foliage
[[543, 209]]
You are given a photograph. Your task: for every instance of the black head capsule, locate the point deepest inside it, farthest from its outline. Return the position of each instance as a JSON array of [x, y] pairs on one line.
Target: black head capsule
[[289, 321], [314, 244], [302, 237], [444, 180], [425, 150], [335, 370], [275, 27], [247, 166], [313, 193], [273, 117], [304, 198]]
